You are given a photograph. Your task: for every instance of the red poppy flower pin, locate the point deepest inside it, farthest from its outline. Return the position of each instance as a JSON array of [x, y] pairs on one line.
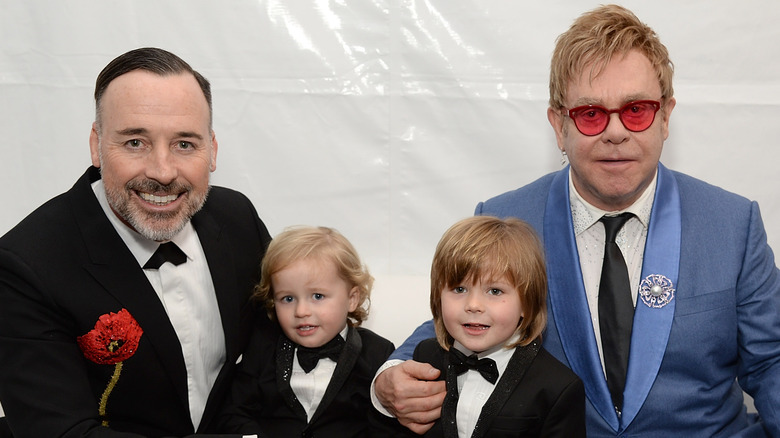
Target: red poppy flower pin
[[113, 340]]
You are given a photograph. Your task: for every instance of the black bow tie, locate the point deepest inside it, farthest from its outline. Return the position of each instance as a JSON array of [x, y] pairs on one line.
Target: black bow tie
[[167, 252], [308, 357], [486, 367]]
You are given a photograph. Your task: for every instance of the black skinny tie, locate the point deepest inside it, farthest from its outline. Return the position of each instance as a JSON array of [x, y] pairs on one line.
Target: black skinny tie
[[616, 310], [167, 252]]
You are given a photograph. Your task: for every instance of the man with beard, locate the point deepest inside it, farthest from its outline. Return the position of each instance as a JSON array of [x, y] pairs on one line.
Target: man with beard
[[100, 334]]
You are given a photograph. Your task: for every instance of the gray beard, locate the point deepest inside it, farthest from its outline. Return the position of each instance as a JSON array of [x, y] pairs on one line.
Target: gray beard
[[156, 226]]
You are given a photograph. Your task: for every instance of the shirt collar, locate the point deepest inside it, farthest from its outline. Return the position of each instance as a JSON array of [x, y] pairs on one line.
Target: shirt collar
[[141, 247], [584, 214], [496, 353]]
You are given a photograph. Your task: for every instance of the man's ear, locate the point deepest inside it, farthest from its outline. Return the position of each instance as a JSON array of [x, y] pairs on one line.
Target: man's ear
[[214, 147], [556, 121], [94, 145], [667, 113]]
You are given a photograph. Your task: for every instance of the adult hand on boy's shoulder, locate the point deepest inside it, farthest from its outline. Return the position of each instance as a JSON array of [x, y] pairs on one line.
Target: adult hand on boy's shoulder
[[410, 392]]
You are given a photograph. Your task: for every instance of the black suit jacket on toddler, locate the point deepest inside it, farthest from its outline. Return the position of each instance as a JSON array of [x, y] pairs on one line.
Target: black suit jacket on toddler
[[536, 396], [262, 401]]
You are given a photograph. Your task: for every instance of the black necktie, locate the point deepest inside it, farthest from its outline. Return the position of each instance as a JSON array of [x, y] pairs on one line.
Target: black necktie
[[616, 310], [167, 252], [486, 367], [308, 357]]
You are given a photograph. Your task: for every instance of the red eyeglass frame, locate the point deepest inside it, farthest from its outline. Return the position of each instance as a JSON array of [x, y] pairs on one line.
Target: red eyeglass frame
[[572, 113]]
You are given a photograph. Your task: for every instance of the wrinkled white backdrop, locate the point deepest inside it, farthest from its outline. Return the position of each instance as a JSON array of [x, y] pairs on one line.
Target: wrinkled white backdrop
[[388, 120]]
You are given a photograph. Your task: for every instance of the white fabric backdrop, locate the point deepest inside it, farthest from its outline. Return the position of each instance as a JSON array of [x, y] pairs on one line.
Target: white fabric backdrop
[[388, 120]]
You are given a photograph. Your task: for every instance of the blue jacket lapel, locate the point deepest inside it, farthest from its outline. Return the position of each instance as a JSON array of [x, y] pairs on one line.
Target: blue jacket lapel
[[569, 303], [652, 325], [569, 306]]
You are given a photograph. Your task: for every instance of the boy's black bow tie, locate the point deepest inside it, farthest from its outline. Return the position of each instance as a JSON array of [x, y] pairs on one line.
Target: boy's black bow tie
[[486, 367], [308, 357]]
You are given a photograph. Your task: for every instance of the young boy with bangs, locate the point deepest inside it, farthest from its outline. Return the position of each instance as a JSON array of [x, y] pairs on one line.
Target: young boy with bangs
[[488, 291], [313, 379]]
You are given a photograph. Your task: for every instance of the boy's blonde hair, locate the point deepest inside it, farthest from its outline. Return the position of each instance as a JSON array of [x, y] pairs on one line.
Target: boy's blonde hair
[[594, 39], [485, 247], [315, 243]]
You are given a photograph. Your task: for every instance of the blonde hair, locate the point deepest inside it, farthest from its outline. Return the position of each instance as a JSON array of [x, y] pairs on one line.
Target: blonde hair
[[592, 41], [315, 243], [487, 247]]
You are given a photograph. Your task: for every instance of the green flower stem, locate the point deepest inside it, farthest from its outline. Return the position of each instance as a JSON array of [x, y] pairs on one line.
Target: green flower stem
[[107, 392]]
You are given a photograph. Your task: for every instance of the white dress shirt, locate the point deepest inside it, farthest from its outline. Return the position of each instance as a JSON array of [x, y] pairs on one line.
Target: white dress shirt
[[310, 387], [590, 238], [474, 390], [187, 294]]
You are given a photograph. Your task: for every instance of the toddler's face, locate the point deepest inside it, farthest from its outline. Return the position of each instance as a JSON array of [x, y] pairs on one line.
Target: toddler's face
[[481, 314], [312, 301]]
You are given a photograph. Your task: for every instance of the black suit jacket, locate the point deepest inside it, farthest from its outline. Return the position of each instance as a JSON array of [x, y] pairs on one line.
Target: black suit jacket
[[64, 266], [262, 401], [536, 396]]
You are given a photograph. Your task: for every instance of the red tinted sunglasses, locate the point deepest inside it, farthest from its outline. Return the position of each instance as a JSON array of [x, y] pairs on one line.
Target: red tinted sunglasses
[[636, 116]]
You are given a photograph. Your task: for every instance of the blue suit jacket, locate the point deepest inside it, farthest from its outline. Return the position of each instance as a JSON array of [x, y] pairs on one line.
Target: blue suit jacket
[[722, 324]]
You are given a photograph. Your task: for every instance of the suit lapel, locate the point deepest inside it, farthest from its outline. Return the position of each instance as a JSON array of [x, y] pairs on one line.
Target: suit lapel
[[219, 257], [449, 407], [285, 354], [347, 359], [568, 301], [653, 322], [114, 267], [515, 370]]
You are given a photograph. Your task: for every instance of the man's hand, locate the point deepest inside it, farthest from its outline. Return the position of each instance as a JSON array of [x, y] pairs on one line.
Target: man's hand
[[408, 392]]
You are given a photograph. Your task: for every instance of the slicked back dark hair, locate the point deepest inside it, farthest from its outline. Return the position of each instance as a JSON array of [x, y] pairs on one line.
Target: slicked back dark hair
[[153, 60]]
